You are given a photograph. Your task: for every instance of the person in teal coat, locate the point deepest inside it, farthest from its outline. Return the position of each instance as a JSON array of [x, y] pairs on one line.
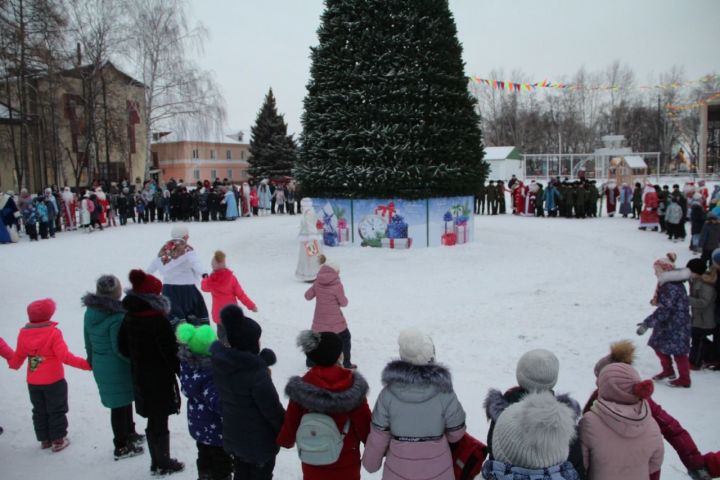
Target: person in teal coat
[[103, 318]]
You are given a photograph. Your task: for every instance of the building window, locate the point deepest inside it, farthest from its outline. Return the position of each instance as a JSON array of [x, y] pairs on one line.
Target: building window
[[213, 174], [196, 174], [230, 174], [242, 154], [228, 155], [212, 154], [195, 153]]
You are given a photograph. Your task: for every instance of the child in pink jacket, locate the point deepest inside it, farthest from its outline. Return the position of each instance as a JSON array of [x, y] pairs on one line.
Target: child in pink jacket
[[42, 343], [329, 295], [225, 290]]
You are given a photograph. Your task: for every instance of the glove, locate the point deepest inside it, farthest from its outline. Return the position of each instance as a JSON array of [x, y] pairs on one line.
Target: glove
[[642, 328]]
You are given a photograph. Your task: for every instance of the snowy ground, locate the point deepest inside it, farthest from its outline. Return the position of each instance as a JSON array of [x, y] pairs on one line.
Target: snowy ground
[[571, 286]]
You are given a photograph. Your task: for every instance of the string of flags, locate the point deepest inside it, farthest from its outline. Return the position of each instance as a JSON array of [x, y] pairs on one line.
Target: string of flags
[[694, 105], [529, 87]]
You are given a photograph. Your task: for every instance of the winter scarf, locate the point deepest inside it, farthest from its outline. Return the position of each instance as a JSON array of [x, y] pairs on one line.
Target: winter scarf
[[173, 250]]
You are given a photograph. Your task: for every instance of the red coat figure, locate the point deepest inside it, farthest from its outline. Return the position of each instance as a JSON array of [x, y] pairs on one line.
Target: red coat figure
[[224, 288], [649, 215], [340, 394], [104, 205], [518, 194], [612, 192], [42, 342]]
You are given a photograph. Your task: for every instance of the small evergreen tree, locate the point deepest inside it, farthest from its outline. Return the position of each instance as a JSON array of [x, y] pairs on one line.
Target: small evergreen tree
[[388, 112], [272, 151]]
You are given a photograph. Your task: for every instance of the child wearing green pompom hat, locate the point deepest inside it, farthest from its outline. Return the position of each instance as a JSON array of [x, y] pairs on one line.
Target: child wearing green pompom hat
[[203, 406]]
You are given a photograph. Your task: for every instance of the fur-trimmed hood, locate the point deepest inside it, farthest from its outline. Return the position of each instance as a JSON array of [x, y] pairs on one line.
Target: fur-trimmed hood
[[496, 402], [103, 303], [416, 383], [321, 400], [139, 302]]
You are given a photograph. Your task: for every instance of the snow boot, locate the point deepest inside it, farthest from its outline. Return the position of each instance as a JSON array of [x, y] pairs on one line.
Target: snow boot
[[45, 444], [136, 438], [60, 444], [683, 380], [163, 464], [701, 474], [667, 368], [130, 450]]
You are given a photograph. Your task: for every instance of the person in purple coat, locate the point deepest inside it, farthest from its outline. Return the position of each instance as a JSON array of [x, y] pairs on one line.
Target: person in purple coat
[[672, 324]]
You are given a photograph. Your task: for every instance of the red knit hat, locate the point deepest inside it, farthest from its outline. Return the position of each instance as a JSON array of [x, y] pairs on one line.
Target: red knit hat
[[145, 283], [41, 311]]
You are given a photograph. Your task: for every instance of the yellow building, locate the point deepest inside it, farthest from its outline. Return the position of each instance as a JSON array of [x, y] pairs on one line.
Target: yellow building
[[83, 125]]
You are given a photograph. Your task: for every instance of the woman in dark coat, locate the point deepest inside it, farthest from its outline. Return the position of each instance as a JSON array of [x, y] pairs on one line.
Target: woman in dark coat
[[147, 339]]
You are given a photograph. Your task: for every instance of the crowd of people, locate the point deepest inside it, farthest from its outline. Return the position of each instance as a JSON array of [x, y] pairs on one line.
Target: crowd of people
[[139, 345], [42, 215]]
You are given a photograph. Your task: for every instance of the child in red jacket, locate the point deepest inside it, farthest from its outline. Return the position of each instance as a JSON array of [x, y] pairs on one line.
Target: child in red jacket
[[329, 389], [225, 290], [41, 342]]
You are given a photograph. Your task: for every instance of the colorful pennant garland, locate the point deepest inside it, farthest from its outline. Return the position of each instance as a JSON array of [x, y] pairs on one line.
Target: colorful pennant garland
[[694, 105], [529, 87]]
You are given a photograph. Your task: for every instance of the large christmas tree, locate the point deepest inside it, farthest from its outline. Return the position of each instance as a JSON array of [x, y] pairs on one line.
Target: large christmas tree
[[388, 112], [272, 151]]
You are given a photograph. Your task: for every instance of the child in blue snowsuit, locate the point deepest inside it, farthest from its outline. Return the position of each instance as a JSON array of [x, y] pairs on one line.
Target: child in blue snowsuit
[[203, 408]]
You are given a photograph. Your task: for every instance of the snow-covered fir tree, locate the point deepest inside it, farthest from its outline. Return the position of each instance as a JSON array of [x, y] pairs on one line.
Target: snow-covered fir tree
[[272, 151], [388, 112]]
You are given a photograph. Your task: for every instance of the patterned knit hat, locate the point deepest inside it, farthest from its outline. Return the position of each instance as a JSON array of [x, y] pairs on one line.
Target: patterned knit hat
[[537, 370], [534, 433], [666, 263]]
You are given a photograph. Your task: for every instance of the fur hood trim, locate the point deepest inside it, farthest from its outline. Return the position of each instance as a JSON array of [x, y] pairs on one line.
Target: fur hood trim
[[401, 372], [496, 403], [100, 302], [135, 302], [319, 400], [194, 361]]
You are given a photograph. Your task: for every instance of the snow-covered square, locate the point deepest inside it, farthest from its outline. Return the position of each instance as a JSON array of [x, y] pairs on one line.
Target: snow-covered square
[[570, 286]]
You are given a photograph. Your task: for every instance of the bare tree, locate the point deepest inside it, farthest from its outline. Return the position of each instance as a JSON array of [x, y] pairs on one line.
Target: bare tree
[[31, 32], [179, 95]]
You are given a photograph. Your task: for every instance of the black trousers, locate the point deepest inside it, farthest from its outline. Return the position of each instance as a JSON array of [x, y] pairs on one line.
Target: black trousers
[[696, 350], [157, 425], [121, 419], [345, 337], [50, 407], [31, 230], [245, 470], [43, 230], [214, 460]]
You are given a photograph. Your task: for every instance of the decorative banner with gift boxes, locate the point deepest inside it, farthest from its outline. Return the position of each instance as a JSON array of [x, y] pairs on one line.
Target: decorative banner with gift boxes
[[395, 223]]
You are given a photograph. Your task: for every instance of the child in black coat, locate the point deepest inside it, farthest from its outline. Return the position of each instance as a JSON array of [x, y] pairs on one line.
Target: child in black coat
[[252, 413]]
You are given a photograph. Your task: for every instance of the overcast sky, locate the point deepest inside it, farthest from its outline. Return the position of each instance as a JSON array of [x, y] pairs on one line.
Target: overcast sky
[[257, 44]]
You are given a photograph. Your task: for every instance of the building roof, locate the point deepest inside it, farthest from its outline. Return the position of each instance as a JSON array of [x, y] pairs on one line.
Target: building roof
[[501, 153], [189, 137], [635, 161], [83, 71]]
